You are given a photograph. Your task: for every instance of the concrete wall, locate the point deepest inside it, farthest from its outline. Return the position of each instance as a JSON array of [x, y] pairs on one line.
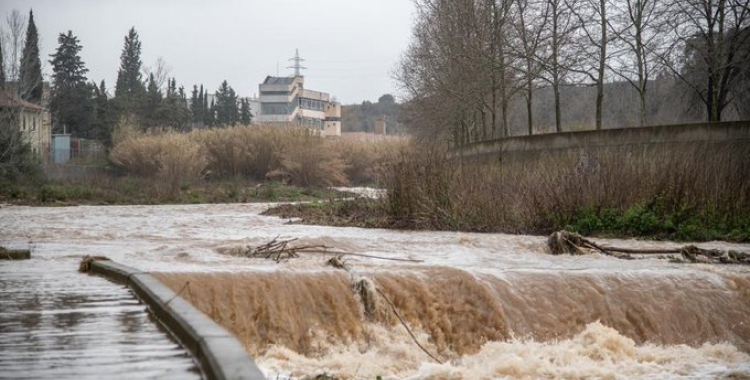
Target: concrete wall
[[522, 147], [220, 355]]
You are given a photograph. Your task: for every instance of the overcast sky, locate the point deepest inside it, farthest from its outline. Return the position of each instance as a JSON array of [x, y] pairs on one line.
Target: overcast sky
[[351, 47]]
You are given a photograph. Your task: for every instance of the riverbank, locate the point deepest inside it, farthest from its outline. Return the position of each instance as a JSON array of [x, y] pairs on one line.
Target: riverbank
[[126, 190], [639, 221]]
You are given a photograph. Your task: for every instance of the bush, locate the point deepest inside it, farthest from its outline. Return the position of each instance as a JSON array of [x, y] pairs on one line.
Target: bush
[[694, 192], [174, 158], [310, 161], [293, 154]]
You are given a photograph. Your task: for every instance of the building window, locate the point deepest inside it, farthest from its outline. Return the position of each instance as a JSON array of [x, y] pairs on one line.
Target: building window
[[276, 108], [311, 104]]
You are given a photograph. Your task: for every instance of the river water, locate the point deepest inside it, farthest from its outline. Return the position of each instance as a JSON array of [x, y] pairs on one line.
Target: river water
[[484, 305]]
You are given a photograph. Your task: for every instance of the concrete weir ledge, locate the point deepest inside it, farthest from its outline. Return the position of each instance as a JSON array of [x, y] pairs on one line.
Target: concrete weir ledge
[[220, 355]]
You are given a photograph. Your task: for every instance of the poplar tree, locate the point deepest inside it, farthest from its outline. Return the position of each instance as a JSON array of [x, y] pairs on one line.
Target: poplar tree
[[30, 77]]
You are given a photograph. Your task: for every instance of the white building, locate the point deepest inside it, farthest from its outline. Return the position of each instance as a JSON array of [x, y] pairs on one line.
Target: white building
[[286, 100]]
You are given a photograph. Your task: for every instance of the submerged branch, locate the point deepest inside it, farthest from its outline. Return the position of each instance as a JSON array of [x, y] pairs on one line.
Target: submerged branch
[[564, 242]]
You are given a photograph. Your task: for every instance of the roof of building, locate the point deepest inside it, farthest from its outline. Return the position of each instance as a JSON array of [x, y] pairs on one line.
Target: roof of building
[[7, 100], [278, 80]]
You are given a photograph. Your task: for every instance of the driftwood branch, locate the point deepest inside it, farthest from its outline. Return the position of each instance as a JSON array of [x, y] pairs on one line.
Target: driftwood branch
[[278, 250], [564, 242]]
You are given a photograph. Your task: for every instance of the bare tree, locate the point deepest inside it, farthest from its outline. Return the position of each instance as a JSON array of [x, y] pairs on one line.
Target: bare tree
[[530, 21], [711, 34], [592, 48], [161, 71], [639, 29], [558, 58], [13, 40]]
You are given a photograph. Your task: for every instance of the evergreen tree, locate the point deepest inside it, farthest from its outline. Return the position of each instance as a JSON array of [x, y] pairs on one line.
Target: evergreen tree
[[226, 105], [103, 120], [174, 111], [69, 103], [194, 104], [202, 103], [210, 116], [30, 77], [246, 117], [150, 116], [129, 88], [207, 120]]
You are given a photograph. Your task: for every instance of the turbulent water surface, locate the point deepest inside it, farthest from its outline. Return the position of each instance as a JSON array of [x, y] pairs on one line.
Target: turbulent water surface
[[484, 305]]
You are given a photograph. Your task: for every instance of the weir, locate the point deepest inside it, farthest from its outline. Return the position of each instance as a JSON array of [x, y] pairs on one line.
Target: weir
[[488, 306], [459, 311]]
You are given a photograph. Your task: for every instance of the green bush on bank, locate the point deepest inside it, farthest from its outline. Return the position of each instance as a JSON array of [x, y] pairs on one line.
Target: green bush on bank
[[647, 220]]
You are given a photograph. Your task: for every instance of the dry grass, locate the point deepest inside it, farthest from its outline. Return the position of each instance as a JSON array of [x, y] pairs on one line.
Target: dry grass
[[639, 191], [250, 152], [174, 158]]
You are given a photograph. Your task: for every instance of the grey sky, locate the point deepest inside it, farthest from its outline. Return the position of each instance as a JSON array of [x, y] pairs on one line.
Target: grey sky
[[351, 46]]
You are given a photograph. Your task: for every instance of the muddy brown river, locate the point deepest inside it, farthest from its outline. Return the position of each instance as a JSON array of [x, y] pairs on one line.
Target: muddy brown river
[[487, 306]]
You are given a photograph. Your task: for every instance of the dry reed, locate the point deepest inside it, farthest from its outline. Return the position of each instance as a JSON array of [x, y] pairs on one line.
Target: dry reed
[[253, 152], [636, 190]]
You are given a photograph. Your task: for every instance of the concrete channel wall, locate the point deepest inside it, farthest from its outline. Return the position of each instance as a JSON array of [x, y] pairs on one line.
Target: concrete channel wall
[[510, 148], [220, 354]]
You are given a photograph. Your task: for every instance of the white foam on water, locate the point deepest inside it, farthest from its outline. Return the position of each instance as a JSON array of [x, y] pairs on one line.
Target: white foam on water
[[598, 352]]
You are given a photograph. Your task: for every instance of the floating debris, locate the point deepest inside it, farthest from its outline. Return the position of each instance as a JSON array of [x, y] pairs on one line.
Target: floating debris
[[570, 243]]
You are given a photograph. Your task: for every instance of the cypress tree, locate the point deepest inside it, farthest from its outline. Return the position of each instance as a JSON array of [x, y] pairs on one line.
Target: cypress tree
[[30, 76], [202, 104], [196, 105], [129, 88], [104, 122], [207, 120], [70, 93], [246, 117]]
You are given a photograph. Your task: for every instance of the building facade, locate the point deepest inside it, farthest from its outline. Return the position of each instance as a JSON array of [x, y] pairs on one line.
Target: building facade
[[286, 100], [31, 119]]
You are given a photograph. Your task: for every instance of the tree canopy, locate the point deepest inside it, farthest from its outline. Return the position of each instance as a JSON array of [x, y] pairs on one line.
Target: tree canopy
[[129, 87], [70, 94]]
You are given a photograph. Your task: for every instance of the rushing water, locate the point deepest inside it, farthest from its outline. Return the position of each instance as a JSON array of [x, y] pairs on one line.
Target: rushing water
[[486, 305]]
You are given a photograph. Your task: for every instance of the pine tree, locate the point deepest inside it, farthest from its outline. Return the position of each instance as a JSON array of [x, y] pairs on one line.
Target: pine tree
[[70, 93], [226, 105], [129, 88], [246, 117], [150, 116], [30, 77]]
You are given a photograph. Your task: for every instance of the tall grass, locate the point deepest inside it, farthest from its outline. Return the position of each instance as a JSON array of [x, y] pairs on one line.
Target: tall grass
[[698, 191], [299, 155]]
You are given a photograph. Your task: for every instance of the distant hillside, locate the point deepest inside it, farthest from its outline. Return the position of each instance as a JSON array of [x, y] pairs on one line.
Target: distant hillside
[[666, 100], [668, 103], [362, 117]]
